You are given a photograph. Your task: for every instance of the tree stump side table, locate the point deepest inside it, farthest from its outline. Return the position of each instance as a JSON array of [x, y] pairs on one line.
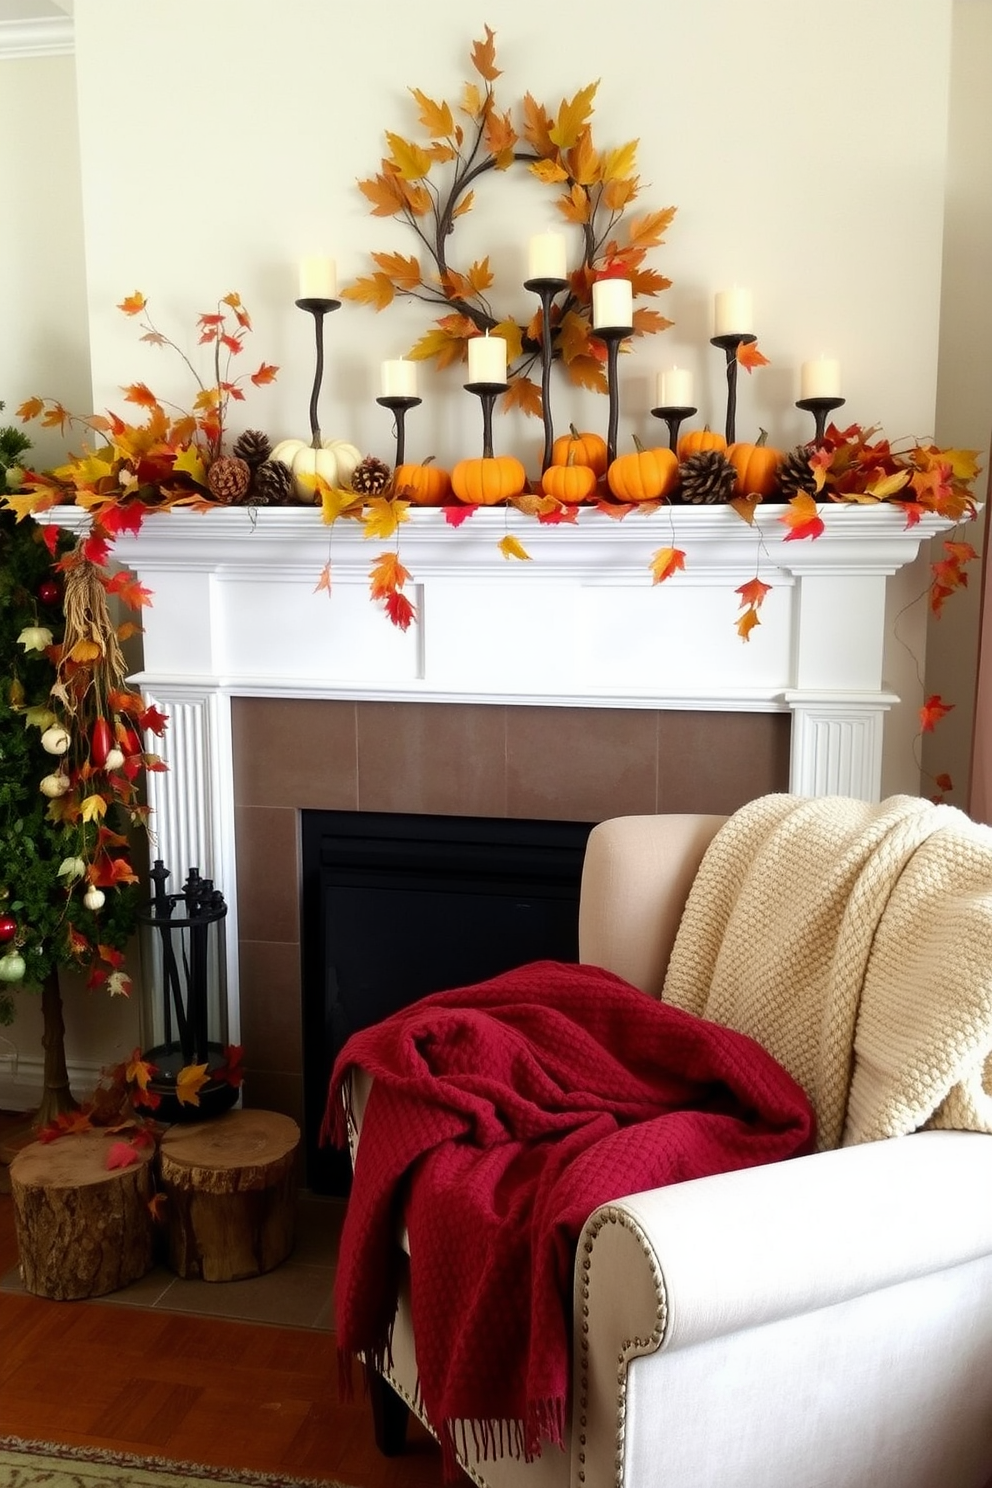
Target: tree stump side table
[[82, 1229], [230, 1183]]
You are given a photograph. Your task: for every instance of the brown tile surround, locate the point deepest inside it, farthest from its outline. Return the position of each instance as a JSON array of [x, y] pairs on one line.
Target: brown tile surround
[[580, 764]]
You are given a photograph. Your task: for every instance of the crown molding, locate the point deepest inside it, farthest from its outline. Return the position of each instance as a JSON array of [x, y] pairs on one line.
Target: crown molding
[[45, 36]]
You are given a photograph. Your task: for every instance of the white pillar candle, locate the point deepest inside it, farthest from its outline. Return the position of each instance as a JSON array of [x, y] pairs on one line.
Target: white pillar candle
[[820, 378], [612, 303], [733, 312], [399, 379], [318, 279], [675, 388], [546, 256], [487, 359]]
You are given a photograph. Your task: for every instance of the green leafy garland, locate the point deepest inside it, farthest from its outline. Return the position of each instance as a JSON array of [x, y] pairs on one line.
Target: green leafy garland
[[43, 921]]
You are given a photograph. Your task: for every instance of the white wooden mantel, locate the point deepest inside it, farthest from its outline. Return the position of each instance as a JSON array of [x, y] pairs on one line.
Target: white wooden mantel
[[581, 624]]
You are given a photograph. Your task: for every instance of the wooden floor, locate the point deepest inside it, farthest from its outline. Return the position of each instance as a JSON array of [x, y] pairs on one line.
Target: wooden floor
[[203, 1389]]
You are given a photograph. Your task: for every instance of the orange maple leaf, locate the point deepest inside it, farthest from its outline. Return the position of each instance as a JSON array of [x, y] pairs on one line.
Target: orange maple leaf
[[324, 582], [266, 373], [158, 1206], [802, 518], [137, 392], [933, 710], [747, 622], [139, 1071], [387, 575], [189, 1082], [385, 192], [750, 357], [133, 304], [484, 57], [753, 592], [666, 562]]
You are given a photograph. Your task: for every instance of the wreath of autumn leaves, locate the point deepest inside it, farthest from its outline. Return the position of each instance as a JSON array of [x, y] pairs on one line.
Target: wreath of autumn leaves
[[595, 188]]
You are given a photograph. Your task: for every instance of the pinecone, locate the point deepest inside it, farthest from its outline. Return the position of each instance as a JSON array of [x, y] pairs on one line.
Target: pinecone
[[794, 475], [706, 478], [228, 479], [253, 447], [272, 484], [371, 476]]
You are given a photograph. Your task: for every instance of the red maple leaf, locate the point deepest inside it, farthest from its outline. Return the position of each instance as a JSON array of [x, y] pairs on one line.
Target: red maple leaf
[[932, 712], [456, 515], [153, 719]]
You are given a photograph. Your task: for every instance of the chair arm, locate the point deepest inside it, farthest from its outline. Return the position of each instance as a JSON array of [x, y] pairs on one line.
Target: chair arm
[[673, 1267]]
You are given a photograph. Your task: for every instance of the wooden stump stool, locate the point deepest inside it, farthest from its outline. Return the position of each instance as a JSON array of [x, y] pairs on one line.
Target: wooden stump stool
[[231, 1189], [82, 1229]]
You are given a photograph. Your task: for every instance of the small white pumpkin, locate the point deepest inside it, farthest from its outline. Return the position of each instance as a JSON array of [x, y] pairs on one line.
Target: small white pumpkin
[[94, 898], [335, 460]]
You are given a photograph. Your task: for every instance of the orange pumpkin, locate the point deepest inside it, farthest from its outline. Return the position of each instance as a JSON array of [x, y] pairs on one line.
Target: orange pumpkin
[[644, 475], [700, 439], [424, 485], [571, 483], [489, 480], [580, 449], [756, 465]]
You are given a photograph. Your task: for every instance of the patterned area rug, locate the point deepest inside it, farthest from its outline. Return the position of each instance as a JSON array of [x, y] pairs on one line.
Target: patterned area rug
[[30, 1464]]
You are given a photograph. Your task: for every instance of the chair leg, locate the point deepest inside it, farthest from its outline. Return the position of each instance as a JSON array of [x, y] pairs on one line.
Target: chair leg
[[390, 1414]]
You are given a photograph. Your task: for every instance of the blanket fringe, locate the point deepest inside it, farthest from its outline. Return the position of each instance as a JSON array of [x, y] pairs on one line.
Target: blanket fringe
[[521, 1440]]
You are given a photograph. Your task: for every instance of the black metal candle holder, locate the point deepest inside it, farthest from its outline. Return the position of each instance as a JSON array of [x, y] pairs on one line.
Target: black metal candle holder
[[399, 407], [730, 343], [318, 308], [674, 418], [819, 408], [546, 289], [184, 924], [612, 335], [487, 393]]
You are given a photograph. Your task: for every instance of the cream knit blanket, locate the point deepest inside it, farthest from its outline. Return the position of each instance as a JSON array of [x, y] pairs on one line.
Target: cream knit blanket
[[854, 942]]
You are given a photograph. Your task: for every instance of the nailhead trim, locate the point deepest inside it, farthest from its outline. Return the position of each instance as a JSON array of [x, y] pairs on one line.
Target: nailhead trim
[[611, 1216]]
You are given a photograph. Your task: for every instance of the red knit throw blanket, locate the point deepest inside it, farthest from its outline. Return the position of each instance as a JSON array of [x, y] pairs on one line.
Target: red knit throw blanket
[[500, 1116]]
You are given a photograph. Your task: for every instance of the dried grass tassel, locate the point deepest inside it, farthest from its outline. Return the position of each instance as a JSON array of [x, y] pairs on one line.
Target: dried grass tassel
[[91, 652]]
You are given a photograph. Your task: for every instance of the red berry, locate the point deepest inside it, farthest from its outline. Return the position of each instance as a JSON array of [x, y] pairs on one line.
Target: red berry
[[49, 592], [8, 928]]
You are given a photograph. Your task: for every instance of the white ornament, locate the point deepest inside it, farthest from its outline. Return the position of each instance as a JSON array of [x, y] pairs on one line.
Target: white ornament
[[114, 760], [55, 740], [54, 785], [94, 898]]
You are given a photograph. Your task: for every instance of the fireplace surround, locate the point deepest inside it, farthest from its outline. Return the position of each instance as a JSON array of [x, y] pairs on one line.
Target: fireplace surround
[[566, 687]]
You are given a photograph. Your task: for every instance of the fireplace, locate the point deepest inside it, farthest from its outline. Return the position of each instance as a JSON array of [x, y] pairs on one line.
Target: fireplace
[[565, 688], [396, 905]]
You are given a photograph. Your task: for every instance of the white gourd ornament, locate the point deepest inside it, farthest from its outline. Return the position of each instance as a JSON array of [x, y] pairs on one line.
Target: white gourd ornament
[[333, 459]]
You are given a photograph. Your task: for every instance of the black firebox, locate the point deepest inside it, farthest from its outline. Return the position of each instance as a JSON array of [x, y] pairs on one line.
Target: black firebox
[[397, 905]]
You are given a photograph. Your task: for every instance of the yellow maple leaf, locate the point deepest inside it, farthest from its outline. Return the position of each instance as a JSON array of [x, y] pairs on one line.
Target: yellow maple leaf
[[583, 160], [465, 205], [548, 171], [440, 343], [435, 117], [512, 335], [92, 808], [85, 650], [382, 516], [26, 506], [189, 1082], [471, 103], [334, 502], [888, 485], [747, 622], [188, 462], [138, 1071], [620, 162], [573, 114], [480, 275], [511, 548], [587, 372], [409, 160]]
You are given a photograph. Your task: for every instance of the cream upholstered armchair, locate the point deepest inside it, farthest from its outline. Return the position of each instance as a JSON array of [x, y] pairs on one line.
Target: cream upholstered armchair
[[824, 1322]]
